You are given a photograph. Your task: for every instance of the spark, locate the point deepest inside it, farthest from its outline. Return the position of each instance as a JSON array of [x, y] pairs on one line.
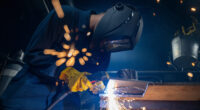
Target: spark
[[61, 54], [112, 100], [85, 58], [181, 1], [84, 50], [130, 106], [75, 53], [168, 63], [154, 14], [81, 61], [88, 34], [193, 9], [67, 36], [66, 29], [54, 53], [193, 64], [70, 62], [190, 75], [56, 83], [88, 54], [158, 1], [97, 63], [60, 61], [65, 46], [57, 6], [143, 108], [71, 51], [48, 51]]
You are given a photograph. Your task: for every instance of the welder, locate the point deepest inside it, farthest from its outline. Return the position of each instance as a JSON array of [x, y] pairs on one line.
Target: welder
[[37, 86]]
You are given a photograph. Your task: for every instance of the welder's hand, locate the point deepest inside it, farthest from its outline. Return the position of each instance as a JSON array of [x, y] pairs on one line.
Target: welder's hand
[[77, 81]]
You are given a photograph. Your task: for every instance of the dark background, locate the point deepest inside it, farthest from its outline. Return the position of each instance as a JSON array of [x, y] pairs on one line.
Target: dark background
[[19, 19]]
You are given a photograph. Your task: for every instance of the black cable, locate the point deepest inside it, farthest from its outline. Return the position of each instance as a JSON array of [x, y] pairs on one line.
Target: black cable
[[46, 6], [58, 100]]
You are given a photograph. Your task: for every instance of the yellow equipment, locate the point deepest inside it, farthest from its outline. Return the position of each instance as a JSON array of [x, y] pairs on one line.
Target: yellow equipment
[[77, 81]]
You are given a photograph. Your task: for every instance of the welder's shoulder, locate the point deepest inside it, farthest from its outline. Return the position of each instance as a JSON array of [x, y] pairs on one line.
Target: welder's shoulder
[[71, 16], [69, 12], [80, 17], [68, 9], [75, 16]]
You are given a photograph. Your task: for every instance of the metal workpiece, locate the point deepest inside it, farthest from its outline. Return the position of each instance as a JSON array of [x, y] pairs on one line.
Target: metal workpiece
[[122, 88], [171, 96]]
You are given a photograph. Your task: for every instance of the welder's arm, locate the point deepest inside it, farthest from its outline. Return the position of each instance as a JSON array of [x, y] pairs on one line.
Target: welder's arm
[[43, 37], [49, 35]]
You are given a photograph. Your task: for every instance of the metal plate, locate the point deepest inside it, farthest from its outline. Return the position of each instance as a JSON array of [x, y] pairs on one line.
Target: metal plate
[[127, 88]]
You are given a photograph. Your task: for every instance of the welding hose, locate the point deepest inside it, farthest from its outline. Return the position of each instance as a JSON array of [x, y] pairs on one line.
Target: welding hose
[[58, 100]]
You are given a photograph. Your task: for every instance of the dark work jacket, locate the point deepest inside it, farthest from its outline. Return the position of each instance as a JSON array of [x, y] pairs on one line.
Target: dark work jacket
[[34, 86]]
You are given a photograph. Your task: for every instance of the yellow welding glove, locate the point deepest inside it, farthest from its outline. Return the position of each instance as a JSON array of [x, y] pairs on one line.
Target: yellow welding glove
[[77, 81]]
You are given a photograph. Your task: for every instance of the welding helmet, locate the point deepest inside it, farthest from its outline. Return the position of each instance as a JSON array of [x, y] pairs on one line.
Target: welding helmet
[[119, 29]]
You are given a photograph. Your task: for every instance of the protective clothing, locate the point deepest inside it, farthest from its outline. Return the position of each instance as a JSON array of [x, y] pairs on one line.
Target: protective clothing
[[33, 88], [124, 29], [77, 81]]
